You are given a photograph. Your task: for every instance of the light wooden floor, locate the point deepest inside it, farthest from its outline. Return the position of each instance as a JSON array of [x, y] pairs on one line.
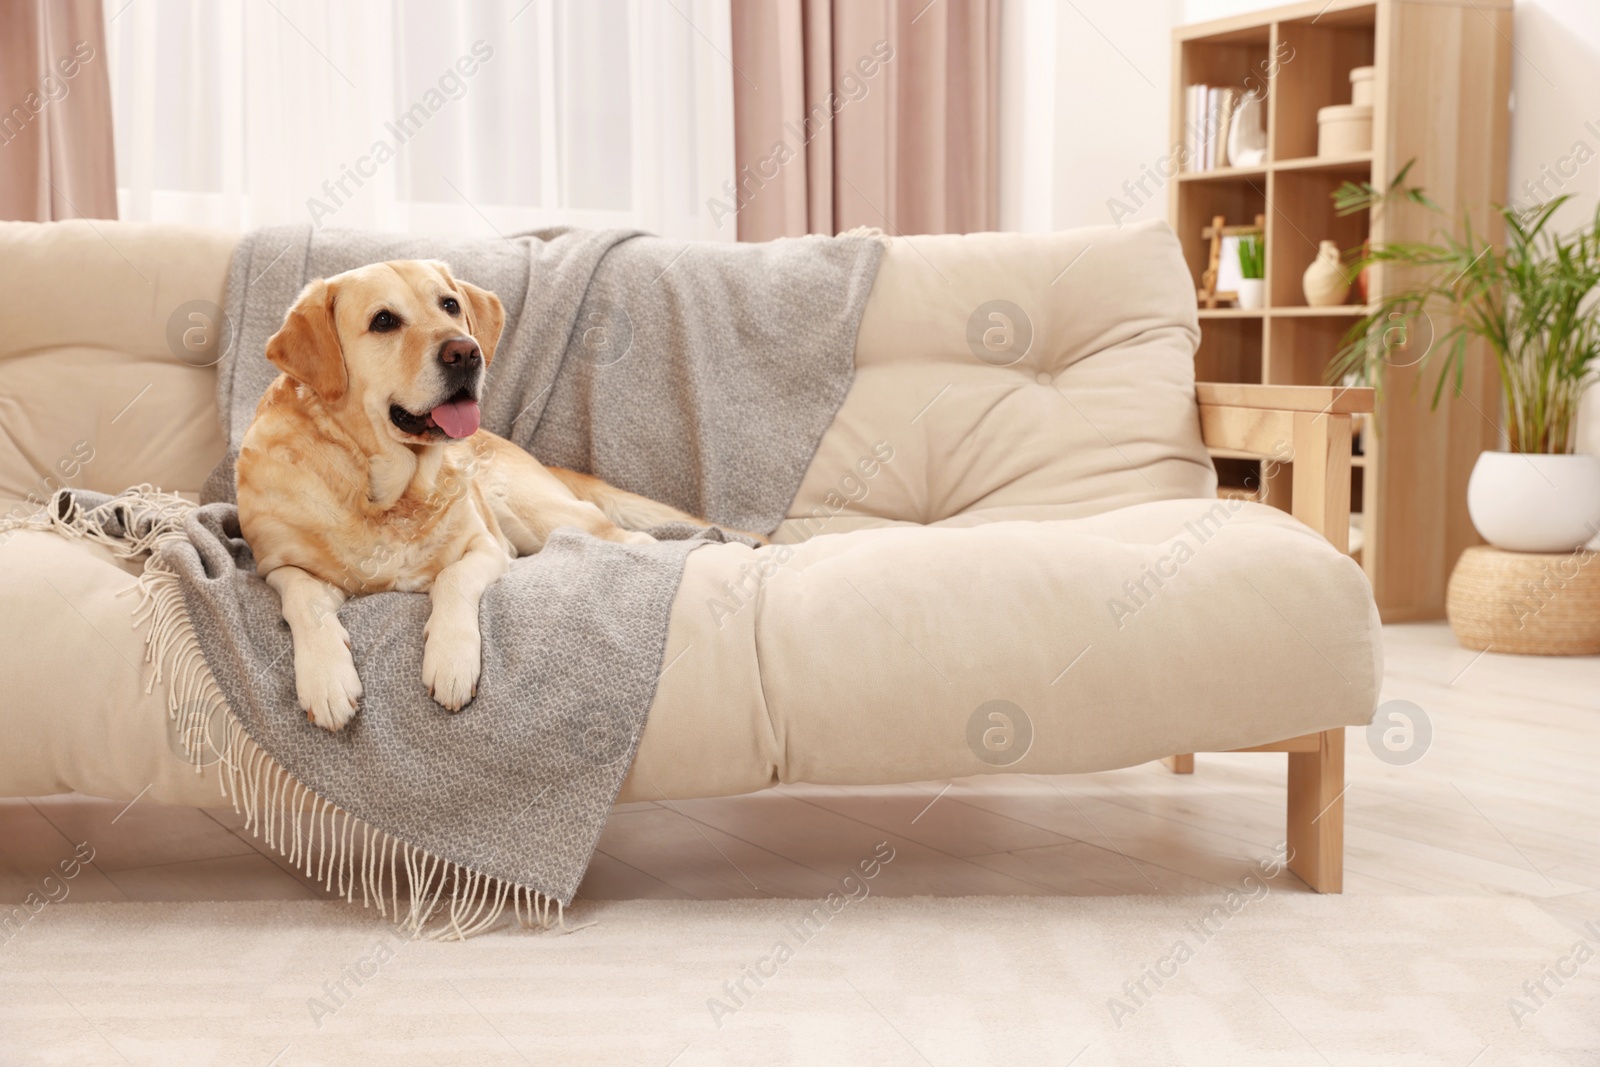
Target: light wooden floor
[[1505, 801]]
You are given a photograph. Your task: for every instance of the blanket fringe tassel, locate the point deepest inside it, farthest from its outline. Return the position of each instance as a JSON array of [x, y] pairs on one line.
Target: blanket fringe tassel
[[427, 896]]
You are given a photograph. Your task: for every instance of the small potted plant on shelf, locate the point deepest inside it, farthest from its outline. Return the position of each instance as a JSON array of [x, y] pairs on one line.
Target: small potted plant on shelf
[[1533, 304], [1252, 271]]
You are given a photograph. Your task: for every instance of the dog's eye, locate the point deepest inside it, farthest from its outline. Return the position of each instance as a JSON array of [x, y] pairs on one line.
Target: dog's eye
[[450, 305], [383, 322]]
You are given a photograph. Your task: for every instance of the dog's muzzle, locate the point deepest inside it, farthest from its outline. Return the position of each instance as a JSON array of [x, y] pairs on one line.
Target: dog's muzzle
[[458, 415]]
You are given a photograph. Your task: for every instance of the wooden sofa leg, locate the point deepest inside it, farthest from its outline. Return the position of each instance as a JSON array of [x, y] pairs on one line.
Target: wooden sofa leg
[[1316, 813], [1180, 764]]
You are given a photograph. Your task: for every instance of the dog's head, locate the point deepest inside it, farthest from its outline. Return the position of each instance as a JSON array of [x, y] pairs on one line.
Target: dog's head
[[403, 345]]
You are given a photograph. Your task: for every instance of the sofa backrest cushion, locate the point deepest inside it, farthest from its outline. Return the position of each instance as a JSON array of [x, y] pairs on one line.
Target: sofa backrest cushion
[[1016, 373], [93, 393]]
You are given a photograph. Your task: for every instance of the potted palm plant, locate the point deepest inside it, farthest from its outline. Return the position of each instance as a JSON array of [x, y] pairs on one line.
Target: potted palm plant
[[1533, 302]]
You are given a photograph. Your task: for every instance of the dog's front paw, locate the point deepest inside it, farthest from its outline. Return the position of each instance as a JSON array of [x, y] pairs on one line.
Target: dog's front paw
[[451, 661], [327, 684]]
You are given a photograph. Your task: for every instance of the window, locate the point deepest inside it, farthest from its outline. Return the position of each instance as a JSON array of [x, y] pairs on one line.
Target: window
[[479, 117]]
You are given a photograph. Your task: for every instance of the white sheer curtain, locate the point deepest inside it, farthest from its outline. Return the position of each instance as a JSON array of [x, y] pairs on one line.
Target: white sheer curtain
[[480, 116]]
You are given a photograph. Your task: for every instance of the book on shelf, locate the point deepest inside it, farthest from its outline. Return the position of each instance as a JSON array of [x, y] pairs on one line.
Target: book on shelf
[[1207, 121], [1190, 137]]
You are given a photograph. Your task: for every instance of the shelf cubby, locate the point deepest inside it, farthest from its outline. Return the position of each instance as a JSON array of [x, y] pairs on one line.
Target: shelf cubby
[[1302, 217], [1302, 346], [1233, 198], [1316, 56], [1230, 351]]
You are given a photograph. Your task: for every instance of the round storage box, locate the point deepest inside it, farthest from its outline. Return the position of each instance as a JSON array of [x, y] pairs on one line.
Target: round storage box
[[1344, 130], [1529, 603], [1361, 86]]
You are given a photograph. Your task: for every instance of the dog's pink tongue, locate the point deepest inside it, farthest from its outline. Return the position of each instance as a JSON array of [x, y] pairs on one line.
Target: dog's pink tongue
[[458, 418]]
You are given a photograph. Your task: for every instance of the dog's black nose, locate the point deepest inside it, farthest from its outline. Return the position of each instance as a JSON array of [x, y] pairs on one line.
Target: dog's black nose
[[460, 351]]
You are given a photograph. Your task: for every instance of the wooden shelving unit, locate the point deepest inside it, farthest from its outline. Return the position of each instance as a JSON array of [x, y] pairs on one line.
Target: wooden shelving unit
[[1442, 97]]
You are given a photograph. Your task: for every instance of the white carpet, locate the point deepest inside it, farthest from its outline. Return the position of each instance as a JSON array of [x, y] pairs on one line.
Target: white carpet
[[1290, 979]]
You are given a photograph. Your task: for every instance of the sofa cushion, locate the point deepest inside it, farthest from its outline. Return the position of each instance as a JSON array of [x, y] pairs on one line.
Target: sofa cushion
[[1172, 626], [82, 710], [92, 394], [1090, 409], [860, 658]]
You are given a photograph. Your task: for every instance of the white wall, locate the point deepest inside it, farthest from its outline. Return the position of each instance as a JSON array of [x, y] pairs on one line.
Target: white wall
[[1555, 126], [1204, 10], [1555, 118], [1083, 102]]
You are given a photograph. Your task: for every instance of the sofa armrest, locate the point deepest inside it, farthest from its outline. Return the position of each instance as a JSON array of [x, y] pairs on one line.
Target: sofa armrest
[[1306, 425]]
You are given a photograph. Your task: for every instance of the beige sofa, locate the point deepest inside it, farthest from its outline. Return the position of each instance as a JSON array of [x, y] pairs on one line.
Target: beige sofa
[[1000, 559]]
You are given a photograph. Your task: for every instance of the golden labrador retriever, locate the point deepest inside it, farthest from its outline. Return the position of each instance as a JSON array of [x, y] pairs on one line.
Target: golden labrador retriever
[[364, 470]]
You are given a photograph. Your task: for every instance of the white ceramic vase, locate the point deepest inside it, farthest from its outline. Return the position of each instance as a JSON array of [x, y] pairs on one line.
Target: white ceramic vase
[[1535, 502], [1325, 282], [1252, 293], [1247, 135]]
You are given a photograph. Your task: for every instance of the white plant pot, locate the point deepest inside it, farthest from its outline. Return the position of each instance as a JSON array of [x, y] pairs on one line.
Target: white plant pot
[[1535, 502], [1252, 293]]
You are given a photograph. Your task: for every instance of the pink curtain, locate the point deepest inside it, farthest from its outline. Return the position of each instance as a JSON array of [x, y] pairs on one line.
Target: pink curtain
[[56, 150], [865, 113]]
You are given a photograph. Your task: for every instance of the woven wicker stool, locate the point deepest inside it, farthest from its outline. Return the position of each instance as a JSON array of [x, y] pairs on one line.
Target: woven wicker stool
[[1530, 603]]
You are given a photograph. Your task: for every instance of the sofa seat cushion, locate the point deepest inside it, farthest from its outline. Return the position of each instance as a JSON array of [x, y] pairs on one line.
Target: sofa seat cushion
[[851, 658], [1171, 626], [77, 716]]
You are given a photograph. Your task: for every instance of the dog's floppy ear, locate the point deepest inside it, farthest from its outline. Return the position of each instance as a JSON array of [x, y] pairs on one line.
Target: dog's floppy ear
[[486, 317], [307, 348]]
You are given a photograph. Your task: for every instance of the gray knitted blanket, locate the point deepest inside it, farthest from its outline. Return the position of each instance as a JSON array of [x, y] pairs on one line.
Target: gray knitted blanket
[[701, 375]]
